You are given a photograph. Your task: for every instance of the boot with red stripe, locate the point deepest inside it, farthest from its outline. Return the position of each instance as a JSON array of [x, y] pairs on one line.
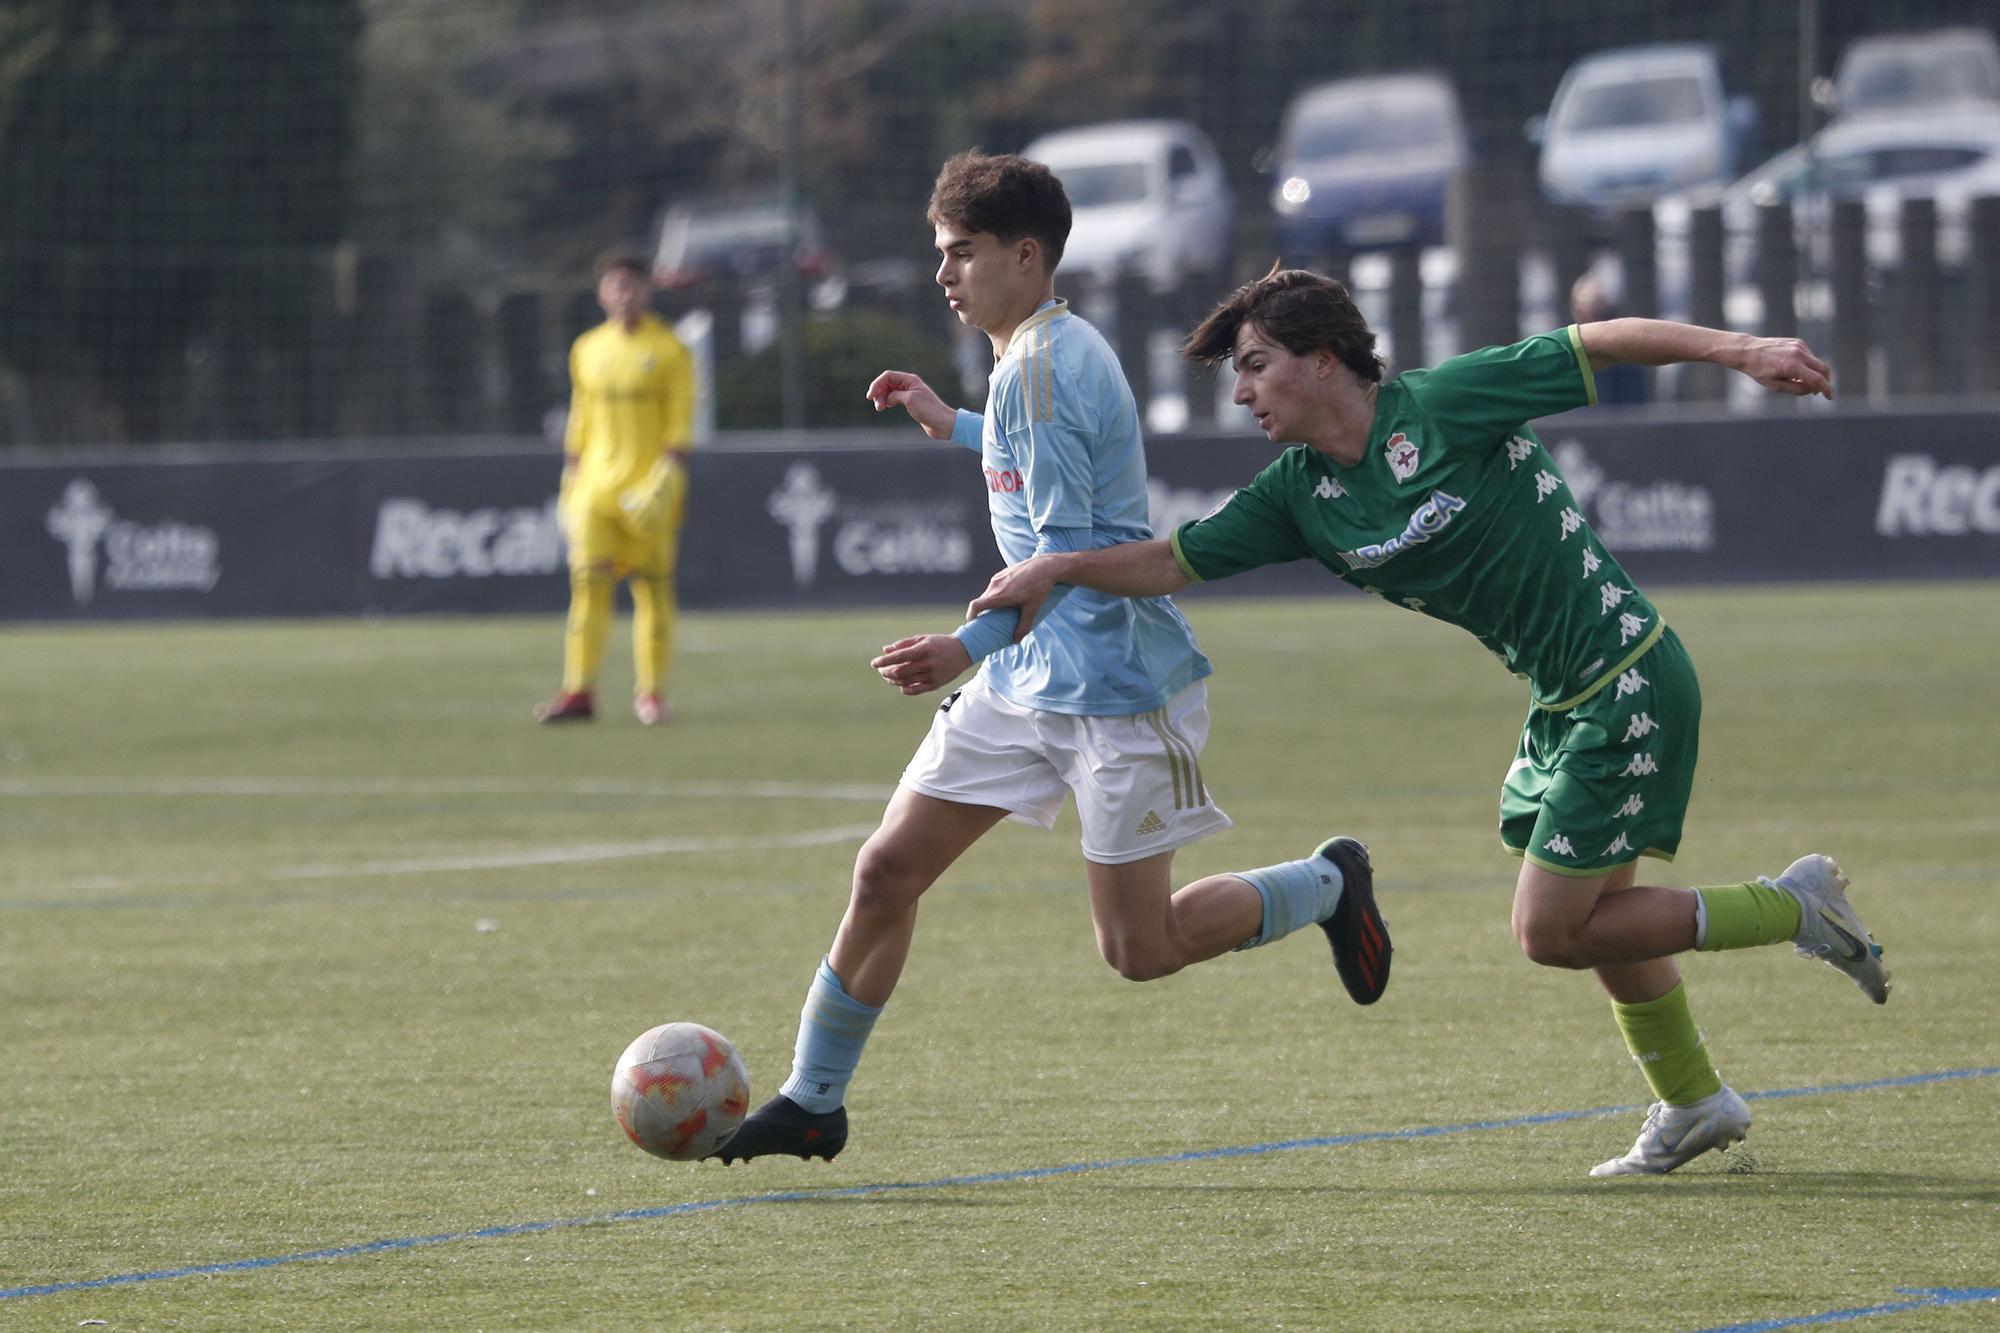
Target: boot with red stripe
[[1359, 935]]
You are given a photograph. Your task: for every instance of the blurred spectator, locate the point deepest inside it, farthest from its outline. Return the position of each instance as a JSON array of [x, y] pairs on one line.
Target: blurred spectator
[[1590, 300]]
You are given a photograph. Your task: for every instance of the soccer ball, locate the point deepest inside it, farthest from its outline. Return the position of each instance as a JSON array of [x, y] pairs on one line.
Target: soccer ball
[[679, 1091]]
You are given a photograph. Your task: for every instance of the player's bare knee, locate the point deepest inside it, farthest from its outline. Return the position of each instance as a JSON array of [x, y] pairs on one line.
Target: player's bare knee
[[1135, 963], [885, 883], [1548, 941]]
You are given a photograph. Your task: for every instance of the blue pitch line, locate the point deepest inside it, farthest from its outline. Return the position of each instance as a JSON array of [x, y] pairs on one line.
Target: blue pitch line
[[993, 1178], [1927, 1298]]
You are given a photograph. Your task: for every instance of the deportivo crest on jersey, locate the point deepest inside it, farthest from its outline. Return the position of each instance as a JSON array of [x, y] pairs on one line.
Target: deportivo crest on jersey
[[1429, 520], [1328, 489], [1402, 456]]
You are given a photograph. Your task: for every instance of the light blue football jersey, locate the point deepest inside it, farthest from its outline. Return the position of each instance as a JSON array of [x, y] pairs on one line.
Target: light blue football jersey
[[1066, 470]]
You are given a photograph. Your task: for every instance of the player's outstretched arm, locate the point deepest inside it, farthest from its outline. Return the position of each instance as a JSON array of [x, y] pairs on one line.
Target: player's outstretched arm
[[899, 388], [1782, 365], [1131, 569], [922, 663]]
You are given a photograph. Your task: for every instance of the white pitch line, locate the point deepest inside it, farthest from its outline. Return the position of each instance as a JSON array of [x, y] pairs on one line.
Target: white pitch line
[[576, 854], [26, 789], [582, 852]]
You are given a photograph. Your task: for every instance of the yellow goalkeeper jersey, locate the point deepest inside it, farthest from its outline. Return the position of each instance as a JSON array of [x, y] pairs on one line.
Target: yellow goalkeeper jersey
[[631, 398]]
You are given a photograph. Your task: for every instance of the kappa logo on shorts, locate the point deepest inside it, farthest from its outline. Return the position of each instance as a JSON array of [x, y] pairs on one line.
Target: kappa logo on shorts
[[1560, 845], [1151, 824], [1633, 805]]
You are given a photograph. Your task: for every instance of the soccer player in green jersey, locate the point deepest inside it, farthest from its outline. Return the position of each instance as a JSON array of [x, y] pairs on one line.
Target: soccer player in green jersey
[[1431, 491]]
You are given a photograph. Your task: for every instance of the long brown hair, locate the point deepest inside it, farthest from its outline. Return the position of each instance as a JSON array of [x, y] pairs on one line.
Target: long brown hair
[[1298, 309]]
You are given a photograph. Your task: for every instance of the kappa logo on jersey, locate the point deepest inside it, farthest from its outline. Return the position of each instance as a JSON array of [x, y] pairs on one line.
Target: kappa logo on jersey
[[1560, 845], [1630, 626], [1547, 483], [1402, 456], [1518, 450], [1611, 595], [1631, 682], [1633, 805], [1642, 766], [1329, 489], [1571, 521], [1429, 520], [1641, 726], [1590, 562]]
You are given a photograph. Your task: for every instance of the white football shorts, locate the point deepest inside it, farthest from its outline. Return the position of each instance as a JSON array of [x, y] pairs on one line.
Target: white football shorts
[[1137, 779]]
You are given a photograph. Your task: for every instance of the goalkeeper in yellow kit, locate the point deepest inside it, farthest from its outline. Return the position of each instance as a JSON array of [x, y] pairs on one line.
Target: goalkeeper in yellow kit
[[624, 488]]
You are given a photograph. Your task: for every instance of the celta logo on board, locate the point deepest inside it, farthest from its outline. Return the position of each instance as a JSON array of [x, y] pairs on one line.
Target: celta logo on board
[[869, 536], [137, 557]]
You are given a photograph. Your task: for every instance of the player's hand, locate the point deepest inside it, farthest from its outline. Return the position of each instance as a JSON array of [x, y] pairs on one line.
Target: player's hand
[[1786, 365], [899, 388], [921, 664], [1025, 585]]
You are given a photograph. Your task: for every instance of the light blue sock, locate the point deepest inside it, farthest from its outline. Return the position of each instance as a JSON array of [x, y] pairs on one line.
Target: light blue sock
[[832, 1030], [1295, 894]]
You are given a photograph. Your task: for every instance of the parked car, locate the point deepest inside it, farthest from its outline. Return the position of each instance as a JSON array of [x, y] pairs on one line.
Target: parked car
[[1896, 73], [746, 241], [1367, 163], [1148, 195], [1881, 160], [1628, 126]]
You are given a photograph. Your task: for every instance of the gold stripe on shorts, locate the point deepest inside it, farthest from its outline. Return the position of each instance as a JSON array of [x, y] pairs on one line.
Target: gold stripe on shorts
[[1186, 768]]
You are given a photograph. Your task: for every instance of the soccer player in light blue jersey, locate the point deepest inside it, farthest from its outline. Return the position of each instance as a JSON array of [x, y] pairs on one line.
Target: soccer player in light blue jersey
[[1103, 697]]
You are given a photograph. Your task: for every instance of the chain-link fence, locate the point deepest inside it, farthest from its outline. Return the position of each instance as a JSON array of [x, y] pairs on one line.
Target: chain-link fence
[[270, 220]]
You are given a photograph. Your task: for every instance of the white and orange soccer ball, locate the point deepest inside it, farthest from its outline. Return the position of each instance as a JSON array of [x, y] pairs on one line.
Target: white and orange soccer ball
[[680, 1090]]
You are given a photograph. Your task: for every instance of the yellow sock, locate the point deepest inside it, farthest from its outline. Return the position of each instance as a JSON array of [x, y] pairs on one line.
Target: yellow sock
[[590, 613], [1664, 1040], [654, 609]]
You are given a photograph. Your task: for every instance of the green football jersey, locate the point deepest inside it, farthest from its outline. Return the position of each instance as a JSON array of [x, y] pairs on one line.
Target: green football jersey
[[1455, 510]]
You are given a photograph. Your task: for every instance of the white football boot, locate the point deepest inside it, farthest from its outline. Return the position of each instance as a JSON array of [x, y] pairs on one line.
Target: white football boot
[[1674, 1135], [1828, 928]]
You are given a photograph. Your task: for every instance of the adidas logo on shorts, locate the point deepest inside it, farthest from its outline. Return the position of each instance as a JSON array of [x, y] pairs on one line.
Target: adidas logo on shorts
[[1152, 823]]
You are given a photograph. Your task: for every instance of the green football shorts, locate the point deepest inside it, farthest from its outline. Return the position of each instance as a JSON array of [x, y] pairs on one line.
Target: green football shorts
[[1607, 781]]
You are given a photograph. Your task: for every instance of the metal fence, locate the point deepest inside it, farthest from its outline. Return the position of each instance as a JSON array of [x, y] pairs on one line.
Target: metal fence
[[328, 220]]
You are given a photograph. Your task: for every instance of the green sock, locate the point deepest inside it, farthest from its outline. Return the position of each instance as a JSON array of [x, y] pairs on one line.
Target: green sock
[[1741, 916], [1664, 1040]]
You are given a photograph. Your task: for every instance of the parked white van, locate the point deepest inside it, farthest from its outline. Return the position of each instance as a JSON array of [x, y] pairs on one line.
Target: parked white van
[[1628, 126], [1145, 195]]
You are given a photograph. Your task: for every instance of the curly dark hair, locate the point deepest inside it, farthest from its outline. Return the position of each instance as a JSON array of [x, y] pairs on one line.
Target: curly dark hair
[[1005, 195], [1298, 309]]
